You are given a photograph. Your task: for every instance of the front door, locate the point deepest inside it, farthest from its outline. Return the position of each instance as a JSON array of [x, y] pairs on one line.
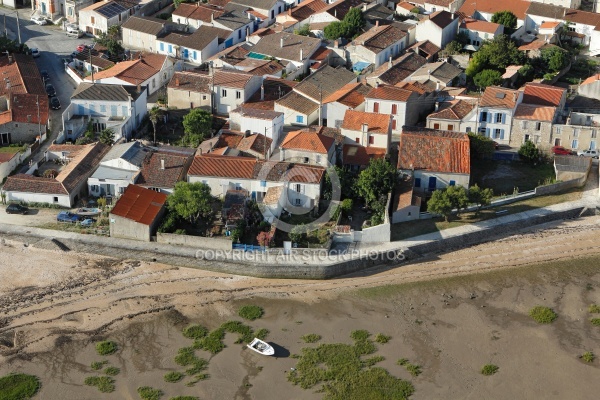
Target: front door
[[43, 8]]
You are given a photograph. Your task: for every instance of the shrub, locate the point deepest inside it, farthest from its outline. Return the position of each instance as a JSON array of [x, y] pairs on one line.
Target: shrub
[[174, 376], [588, 356], [381, 338], [595, 321], [18, 386], [360, 335], [413, 369], [543, 315], [184, 398], [148, 393], [402, 362], [251, 312], [102, 383], [97, 365], [594, 309], [195, 332], [369, 362], [106, 347], [489, 369], [262, 334], [112, 371], [311, 338]]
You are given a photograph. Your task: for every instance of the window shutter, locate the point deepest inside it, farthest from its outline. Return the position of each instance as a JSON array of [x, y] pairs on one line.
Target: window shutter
[[503, 117], [487, 132], [501, 134], [489, 117]]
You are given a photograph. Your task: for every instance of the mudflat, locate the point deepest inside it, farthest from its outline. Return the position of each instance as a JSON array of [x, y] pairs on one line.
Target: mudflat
[[448, 313]]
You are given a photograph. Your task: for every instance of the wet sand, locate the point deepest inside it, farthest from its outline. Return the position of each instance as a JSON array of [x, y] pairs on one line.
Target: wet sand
[[55, 306]]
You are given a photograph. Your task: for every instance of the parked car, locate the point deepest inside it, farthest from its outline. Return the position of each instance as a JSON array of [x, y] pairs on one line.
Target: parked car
[[72, 28], [54, 103], [81, 48], [45, 75], [66, 216], [75, 34], [38, 20], [35, 52], [589, 153], [16, 209], [87, 222], [561, 151], [50, 90]]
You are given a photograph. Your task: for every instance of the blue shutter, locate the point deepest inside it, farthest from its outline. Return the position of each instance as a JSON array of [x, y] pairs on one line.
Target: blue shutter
[[124, 110], [432, 182], [185, 53], [487, 132], [452, 183], [501, 134], [81, 110], [481, 116], [113, 111], [195, 56], [489, 117], [503, 118], [417, 182], [162, 46], [170, 48]]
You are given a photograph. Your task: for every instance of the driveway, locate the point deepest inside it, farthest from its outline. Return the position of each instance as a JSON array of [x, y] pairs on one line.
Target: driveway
[[34, 218]]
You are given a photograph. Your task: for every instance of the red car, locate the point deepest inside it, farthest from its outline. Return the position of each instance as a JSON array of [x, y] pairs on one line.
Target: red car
[[81, 48], [559, 150]]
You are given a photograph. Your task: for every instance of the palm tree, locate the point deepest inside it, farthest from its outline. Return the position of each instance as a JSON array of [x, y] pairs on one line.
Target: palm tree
[[154, 113]]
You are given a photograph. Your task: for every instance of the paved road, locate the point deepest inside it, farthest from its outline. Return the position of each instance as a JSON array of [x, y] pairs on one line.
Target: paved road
[[34, 218], [53, 44]]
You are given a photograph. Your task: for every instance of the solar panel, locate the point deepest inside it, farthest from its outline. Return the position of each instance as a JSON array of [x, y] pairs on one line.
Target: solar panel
[[500, 95], [111, 9]]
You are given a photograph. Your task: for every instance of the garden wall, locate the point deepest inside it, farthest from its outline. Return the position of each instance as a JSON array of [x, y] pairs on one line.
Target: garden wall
[[560, 186], [198, 242]]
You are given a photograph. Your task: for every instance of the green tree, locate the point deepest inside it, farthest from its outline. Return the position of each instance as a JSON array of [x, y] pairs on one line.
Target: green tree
[[304, 30], [526, 73], [107, 136], [197, 125], [481, 146], [336, 30], [440, 203], [191, 201], [458, 196], [376, 181], [454, 47], [110, 40], [487, 77], [529, 152], [554, 58], [349, 27], [506, 18], [462, 37], [496, 54], [12, 46], [480, 197], [355, 20]]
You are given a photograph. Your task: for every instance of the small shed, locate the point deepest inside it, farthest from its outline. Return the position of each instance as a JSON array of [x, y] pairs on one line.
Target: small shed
[[137, 213]]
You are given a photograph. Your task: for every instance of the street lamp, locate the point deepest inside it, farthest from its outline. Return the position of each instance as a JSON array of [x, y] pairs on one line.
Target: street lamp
[[18, 26]]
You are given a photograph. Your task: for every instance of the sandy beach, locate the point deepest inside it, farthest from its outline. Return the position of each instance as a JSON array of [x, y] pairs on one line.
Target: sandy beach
[[54, 306]]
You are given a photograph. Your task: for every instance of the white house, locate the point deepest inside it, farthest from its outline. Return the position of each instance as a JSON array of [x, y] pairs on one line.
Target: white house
[[195, 47], [441, 74], [454, 116], [67, 187], [118, 169], [496, 109], [231, 88], [141, 32], [485, 9], [350, 97], [119, 107], [194, 15], [377, 45], [407, 205], [479, 31], [367, 129], [98, 17], [267, 10], [302, 183], [255, 120], [434, 159], [440, 28], [309, 147], [401, 104], [563, 3], [150, 70]]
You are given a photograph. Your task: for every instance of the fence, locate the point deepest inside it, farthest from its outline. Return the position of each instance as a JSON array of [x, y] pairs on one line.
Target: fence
[[198, 242], [247, 247]]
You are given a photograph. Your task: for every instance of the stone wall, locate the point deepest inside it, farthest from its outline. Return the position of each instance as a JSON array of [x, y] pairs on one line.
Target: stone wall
[[197, 242]]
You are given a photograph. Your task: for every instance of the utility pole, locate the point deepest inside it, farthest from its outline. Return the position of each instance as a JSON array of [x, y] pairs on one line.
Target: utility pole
[[18, 27], [39, 122], [265, 144], [320, 105], [5, 31], [91, 65]]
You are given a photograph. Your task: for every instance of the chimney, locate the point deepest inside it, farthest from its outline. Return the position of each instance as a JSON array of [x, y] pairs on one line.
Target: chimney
[[377, 24], [139, 88], [281, 42], [437, 106], [453, 16], [364, 7], [336, 43], [376, 84], [247, 133], [390, 63], [301, 54], [290, 12], [212, 17], [335, 13], [262, 92], [162, 163], [176, 81], [247, 34], [365, 128]]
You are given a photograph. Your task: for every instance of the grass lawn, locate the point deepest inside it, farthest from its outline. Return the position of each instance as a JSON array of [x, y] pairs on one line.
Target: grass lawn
[[504, 177], [11, 149], [405, 230], [95, 229]]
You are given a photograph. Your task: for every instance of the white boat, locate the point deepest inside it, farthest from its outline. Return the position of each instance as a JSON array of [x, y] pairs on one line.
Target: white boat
[[261, 347]]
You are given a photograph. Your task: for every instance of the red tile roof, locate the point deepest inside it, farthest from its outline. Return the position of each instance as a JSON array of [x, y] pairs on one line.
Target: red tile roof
[[480, 26], [549, 24], [454, 110], [307, 8], [139, 204], [355, 154], [591, 79], [198, 11], [6, 156], [257, 143], [231, 79], [153, 175], [223, 166], [379, 38], [517, 7], [134, 71], [308, 140], [351, 95], [434, 150], [376, 123], [384, 92], [495, 96], [543, 95], [536, 113]]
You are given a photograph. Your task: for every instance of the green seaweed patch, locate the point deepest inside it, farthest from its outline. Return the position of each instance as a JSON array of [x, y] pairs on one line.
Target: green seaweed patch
[[251, 312], [106, 347], [195, 332], [311, 338], [174, 376], [413, 369], [184, 398], [112, 371], [97, 365], [489, 369], [381, 338], [148, 393], [543, 315], [104, 384], [262, 334]]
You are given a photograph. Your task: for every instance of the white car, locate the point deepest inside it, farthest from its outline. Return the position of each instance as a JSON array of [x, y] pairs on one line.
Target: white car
[[72, 28], [35, 52], [39, 20], [589, 153]]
